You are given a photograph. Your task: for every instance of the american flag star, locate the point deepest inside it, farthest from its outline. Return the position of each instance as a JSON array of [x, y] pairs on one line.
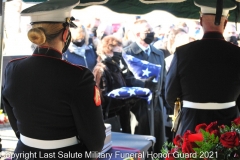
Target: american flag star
[[142, 69], [128, 92]]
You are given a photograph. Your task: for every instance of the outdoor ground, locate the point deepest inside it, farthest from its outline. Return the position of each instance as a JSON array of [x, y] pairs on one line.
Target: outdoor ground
[[9, 141]]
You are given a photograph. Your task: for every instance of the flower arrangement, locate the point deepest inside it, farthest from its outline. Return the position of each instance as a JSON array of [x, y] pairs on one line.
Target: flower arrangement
[[208, 142]]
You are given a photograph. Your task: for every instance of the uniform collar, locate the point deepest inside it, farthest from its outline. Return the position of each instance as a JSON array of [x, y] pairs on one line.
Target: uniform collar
[[47, 51], [213, 35]]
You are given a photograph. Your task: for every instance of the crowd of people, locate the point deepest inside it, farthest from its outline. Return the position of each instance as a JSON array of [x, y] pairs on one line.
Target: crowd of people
[[110, 72], [75, 67], [100, 49]]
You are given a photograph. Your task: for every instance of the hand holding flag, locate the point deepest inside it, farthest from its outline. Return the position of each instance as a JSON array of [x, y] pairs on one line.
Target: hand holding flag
[[142, 69]]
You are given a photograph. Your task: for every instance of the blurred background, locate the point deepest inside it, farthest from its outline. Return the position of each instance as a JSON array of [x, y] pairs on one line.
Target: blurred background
[[16, 27]]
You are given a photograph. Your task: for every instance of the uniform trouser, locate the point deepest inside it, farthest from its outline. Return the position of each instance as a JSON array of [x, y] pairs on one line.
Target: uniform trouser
[[140, 110], [23, 152]]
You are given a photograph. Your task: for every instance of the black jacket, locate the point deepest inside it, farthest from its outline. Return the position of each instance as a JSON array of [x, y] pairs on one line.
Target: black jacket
[[47, 98], [140, 109], [205, 71]]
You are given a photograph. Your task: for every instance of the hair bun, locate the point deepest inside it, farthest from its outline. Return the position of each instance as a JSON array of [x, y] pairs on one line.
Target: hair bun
[[37, 36]]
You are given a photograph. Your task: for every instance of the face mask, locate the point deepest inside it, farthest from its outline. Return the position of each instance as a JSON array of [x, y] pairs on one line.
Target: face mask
[[117, 56], [68, 40], [79, 44], [149, 38]]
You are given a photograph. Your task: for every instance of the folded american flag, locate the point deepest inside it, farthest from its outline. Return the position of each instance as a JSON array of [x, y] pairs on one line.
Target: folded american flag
[[142, 69], [128, 92]]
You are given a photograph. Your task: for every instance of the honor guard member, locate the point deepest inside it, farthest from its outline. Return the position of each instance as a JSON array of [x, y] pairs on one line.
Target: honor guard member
[[204, 74], [53, 106]]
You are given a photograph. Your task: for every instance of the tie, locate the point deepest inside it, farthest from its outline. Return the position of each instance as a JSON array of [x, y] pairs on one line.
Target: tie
[[146, 54]]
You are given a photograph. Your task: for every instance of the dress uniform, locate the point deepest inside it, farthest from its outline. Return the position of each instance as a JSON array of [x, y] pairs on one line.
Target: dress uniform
[[53, 106], [205, 75]]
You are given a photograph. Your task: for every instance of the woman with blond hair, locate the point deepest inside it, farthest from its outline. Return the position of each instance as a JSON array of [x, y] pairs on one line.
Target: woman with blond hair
[[53, 106]]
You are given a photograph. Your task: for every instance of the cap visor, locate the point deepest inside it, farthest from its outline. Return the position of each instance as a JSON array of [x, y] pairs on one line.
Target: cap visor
[[72, 25]]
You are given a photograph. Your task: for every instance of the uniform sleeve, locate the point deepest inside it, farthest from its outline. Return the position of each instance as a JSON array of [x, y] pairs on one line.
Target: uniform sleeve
[[172, 84], [8, 108], [163, 92], [87, 113]]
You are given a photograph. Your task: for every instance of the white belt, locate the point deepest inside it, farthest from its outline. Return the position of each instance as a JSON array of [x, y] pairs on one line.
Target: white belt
[[188, 104], [48, 144]]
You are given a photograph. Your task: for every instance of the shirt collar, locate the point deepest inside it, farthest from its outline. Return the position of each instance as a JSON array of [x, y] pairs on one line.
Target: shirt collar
[[144, 48]]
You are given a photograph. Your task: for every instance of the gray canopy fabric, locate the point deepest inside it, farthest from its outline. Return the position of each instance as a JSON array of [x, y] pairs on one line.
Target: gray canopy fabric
[[179, 8]]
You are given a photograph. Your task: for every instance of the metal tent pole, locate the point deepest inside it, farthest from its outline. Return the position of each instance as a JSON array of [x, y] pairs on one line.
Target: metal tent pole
[[1, 44]]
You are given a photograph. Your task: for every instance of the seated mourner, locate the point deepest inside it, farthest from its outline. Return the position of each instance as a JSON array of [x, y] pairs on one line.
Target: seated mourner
[[53, 106], [108, 76]]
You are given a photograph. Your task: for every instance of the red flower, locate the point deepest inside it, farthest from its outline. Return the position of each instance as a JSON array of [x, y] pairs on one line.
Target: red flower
[[178, 141], [212, 128], [187, 146], [200, 126], [216, 133], [171, 154], [195, 137], [222, 127], [237, 121], [170, 158], [229, 139]]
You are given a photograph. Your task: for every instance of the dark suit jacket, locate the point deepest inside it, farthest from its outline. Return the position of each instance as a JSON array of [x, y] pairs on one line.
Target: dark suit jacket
[[140, 109], [156, 57]]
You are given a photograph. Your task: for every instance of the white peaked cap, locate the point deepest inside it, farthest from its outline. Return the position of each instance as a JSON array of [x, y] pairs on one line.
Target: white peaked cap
[[51, 11], [209, 6]]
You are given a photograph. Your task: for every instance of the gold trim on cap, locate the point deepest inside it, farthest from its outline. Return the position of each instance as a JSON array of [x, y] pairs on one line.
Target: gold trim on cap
[[68, 19]]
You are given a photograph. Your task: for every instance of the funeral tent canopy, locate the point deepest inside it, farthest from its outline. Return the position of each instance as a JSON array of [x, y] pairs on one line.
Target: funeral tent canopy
[[179, 8]]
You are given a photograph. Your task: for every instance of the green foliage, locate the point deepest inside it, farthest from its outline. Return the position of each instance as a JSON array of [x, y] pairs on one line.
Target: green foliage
[[209, 142], [166, 146], [222, 143]]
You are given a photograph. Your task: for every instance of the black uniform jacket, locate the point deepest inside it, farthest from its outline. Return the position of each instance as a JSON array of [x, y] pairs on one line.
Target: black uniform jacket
[[47, 98], [203, 71]]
